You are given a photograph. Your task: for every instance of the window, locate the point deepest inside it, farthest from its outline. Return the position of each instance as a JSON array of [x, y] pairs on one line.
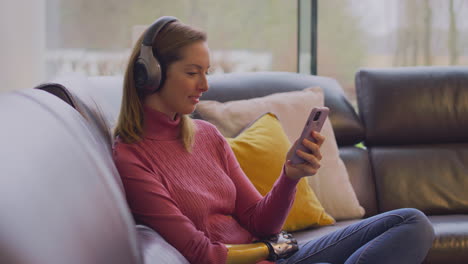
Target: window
[[385, 33], [95, 37]]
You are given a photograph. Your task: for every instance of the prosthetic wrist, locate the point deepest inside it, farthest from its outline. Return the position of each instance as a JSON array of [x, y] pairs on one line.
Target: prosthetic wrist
[[281, 246]]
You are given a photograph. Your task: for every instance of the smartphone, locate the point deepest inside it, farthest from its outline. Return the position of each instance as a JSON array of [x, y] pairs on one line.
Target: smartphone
[[314, 122]]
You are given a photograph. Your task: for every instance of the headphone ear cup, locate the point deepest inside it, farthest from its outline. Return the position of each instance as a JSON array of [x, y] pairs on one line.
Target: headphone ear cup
[[140, 74], [156, 75], [147, 71]]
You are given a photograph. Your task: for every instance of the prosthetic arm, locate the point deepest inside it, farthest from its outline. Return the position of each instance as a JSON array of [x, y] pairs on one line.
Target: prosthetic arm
[[247, 253]]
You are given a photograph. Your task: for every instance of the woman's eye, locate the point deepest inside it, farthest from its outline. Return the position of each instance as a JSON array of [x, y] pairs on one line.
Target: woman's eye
[[191, 73]]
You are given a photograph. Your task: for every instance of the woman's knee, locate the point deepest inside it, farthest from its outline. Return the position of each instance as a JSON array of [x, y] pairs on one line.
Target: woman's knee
[[423, 225]]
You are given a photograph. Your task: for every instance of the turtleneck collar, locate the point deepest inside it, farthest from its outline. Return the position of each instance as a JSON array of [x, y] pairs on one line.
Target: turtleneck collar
[[159, 126]]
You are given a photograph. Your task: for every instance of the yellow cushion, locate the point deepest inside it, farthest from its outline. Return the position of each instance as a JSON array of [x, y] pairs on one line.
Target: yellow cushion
[[261, 151]]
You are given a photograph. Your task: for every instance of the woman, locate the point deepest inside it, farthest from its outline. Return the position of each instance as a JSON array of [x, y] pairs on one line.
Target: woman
[[182, 179]]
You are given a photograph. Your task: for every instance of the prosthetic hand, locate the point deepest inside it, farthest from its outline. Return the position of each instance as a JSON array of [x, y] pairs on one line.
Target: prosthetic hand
[[281, 246]]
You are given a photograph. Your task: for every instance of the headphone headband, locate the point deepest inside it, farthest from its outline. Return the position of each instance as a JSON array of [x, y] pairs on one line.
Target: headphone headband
[[154, 29]]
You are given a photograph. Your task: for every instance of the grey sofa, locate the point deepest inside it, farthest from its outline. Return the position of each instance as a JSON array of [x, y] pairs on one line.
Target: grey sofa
[[62, 200]]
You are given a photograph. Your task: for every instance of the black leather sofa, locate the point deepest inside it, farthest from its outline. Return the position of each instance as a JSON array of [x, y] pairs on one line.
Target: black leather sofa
[[62, 200], [416, 132]]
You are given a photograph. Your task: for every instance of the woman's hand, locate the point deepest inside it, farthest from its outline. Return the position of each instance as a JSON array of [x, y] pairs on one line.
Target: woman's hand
[[281, 246], [312, 159]]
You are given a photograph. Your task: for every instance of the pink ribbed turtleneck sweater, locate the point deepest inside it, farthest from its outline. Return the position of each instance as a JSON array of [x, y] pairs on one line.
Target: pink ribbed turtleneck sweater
[[197, 201]]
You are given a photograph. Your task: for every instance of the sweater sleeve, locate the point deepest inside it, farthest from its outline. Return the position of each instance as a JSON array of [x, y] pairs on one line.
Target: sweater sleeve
[[152, 205], [263, 216]]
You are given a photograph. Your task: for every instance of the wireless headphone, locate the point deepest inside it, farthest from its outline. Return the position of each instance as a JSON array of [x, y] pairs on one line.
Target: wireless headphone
[[146, 70]]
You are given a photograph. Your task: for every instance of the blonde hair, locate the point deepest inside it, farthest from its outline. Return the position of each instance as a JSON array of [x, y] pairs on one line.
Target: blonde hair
[[167, 48]]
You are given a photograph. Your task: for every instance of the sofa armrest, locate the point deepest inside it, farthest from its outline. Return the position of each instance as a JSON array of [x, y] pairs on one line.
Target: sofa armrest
[[155, 249]]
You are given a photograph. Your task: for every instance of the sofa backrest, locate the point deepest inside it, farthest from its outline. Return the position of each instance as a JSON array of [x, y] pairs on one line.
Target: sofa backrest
[[416, 121], [59, 199]]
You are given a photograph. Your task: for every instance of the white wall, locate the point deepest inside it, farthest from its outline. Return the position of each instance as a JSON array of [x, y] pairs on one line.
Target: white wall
[[22, 43]]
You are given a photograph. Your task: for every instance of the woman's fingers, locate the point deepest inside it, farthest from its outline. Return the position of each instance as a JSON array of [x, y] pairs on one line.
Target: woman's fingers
[[310, 159], [313, 147], [311, 165], [318, 137]]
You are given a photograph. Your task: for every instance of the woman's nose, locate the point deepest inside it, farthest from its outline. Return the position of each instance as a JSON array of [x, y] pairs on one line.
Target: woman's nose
[[203, 85]]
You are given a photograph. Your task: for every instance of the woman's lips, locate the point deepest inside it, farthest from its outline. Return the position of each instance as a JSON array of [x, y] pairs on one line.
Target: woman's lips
[[195, 99]]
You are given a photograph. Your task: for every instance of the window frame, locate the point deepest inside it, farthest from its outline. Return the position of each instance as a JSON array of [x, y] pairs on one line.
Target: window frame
[[307, 21]]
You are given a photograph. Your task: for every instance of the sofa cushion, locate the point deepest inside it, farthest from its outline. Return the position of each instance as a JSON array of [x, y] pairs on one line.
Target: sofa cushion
[[432, 178], [414, 105], [261, 151], [451, 239], [360, 174], [331, 183]]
